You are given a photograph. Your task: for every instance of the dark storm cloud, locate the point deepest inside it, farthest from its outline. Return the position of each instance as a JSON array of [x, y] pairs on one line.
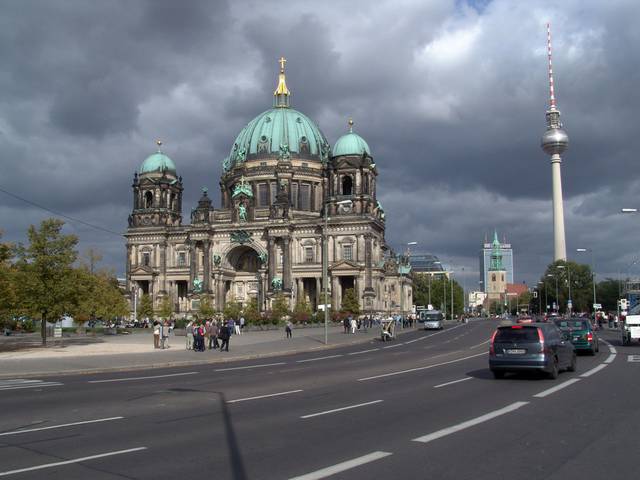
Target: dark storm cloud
[[450, 95]]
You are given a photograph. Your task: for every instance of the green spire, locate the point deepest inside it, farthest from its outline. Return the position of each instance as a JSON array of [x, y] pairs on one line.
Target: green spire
[[496, 254]]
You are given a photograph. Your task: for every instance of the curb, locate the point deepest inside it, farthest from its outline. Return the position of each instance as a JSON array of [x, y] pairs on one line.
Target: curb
[[189, 363]]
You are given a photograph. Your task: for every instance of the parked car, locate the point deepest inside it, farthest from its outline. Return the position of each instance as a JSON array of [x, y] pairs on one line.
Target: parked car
[[530, 347], [580, 333]]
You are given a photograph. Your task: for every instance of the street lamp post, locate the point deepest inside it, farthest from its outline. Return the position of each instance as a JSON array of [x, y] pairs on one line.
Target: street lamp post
[[593, 275], [557, 299], [540, 298], [569, 300], [451, 289], [402, 277]]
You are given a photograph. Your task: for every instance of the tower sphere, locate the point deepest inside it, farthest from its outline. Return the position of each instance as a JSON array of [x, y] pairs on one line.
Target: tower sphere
[[554, 141]]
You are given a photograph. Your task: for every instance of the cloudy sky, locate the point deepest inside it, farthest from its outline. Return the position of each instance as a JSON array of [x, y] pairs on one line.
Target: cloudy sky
[[450, 95]]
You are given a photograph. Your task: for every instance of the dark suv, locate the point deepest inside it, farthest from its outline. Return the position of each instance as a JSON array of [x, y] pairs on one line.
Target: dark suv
[[534, 346]]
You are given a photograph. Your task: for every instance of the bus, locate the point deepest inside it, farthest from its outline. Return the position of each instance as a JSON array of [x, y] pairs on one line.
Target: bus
[[431, 319]]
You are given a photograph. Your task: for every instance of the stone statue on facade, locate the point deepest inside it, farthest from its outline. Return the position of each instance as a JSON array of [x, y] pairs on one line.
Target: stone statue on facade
[[242, 212], [217, 259], [197, 285], [276, 284], [263, 257]]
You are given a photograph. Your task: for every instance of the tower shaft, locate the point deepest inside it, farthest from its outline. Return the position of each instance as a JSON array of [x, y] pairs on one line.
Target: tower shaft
[[559, 243]]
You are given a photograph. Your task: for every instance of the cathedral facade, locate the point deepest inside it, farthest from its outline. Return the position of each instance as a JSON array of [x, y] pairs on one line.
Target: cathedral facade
[[288, 203]]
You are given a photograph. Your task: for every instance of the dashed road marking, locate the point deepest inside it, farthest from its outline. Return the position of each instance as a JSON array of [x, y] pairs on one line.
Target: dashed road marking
[[451, 383], [470, 423], [318, 358], [363, 351], [129, 379], [551, 390], [341, 409], [343, 466], [264, 396], [247, 367], [20, 384], [16, 432]]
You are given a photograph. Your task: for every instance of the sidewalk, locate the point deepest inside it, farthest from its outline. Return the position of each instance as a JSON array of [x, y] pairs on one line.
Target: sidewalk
[[136, 352]]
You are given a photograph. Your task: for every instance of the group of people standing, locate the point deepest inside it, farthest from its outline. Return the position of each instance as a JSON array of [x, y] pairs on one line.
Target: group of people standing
[[212, 334], [161, 332]]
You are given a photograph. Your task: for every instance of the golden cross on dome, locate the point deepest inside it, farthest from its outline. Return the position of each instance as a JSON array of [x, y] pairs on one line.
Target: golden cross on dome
[[350, 122], [159, 143], [282, 61]]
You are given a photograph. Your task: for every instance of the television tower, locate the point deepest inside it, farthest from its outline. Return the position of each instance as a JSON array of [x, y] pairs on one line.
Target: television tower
[[554, 142]]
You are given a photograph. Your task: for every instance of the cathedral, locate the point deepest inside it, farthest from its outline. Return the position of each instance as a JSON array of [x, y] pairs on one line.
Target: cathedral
[[288, 203]]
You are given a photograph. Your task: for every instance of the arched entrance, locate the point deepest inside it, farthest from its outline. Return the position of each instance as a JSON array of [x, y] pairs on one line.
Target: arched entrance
[[245, 285]]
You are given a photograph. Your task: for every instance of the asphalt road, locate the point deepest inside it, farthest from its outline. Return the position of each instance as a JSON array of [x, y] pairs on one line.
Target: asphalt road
[[424, 406]]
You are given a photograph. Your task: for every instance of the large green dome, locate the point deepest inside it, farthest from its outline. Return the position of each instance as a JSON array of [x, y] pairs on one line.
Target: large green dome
[[350, 144], [158, 162], [277, 127]]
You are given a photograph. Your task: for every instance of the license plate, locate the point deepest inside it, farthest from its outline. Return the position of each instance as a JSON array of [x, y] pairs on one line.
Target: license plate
[[516, 351]]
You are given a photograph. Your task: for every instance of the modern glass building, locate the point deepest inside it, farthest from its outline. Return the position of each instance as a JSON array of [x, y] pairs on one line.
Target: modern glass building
[[425, 264]]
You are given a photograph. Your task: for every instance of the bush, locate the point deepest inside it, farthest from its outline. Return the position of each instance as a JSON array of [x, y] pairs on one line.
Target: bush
[[181, 323]]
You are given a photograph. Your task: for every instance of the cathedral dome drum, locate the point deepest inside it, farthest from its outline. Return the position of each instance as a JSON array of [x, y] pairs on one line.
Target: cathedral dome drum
[[351, 144], [158, 163]]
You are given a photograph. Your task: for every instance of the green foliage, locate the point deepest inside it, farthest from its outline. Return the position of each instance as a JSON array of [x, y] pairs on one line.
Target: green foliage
[[302, 311], [350, 302], [581, 286], [279, 308], [166, 309], [8, 295], [206, 308], [232, 309], [46, 278], [251, 313], [145, 307], [440, 286], [99, 296], [607, 293]]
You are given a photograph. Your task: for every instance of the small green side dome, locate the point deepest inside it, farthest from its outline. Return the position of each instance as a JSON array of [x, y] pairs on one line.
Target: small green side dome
[[158, 163], [350, 144]]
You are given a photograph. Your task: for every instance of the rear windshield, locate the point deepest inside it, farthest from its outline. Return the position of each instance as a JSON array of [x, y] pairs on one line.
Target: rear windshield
[[521, 335], [431, 316], [572, 324]]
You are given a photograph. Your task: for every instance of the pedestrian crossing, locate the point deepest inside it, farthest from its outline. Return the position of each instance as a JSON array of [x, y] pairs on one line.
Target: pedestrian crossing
[[20, 384]]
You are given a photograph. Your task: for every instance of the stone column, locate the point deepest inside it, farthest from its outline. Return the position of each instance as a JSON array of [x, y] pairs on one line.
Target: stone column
[[368, 262], [272, 260], [163, 267], [319, 296], [128, 268], [286, 266], [192, 266], [206, 284]]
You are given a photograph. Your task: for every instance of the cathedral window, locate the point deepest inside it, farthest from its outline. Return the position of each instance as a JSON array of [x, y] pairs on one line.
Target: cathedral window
[[148, 200], [502, 277], [263, 195], [274, 192], [305, 196], [294, 195], [493, 277], [182, 259], [308, 254], [146, 259], [347, 185], [347, 252], [172, 201]]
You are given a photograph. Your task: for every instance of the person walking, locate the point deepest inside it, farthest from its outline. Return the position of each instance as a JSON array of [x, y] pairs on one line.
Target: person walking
[[225, 333], [190, 335], [207, 334], [213, 337], [164, 335], [352, 323], [156, 334], [289, 329], [346, 324], [242, 322], [236, 326]]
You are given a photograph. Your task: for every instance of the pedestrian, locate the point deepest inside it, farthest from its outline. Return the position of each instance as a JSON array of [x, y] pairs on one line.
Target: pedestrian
[[213, 337], [156, 334], [242, 323], [190, 335], [164, 335], [236, 326], [232, 326], [289, 329], [352, 323], [346, 323], [225, 333]]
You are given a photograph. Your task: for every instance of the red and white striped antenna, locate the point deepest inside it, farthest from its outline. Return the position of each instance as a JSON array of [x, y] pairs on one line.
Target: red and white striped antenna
[[552, 97]]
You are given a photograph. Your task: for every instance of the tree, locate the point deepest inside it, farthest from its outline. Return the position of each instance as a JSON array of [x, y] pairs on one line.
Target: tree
[[166, 309], [206, 308], [145, 307], [302, 311], [350, 302], [7, 280], [99, 296], [581, 286], [232, 309], [251, 312], [92, 257], [46, 277], [279, 307]]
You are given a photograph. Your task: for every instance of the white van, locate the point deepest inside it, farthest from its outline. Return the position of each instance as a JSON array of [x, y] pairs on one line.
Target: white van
[[432, 319]]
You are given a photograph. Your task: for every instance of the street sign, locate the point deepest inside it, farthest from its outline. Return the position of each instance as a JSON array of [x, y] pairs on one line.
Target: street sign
[[597, 306]]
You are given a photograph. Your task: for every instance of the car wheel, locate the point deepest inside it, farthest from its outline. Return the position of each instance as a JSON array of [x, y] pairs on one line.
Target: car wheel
[[572, 365], [597, 347], [497, 374], [592, 352], [553, 374]]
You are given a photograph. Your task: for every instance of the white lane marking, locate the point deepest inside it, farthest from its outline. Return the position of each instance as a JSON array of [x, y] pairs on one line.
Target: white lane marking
[[417, 369], [363, 351], [551, 390], [610, 358], [73, 460], [633, 358], [263, 396], [16, 432], [593, 370], [246, 367], [343, 466], [451, 383], [29, 385], [341, 409], [480, 344], [432, 334], [414, 340], [129, 379], [470, 423], [318, 358], [393, 346]]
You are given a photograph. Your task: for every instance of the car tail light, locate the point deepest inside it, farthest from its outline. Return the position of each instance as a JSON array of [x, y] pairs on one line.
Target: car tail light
[[492, 350], [589, 337], [543, 348], [516, 326]]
